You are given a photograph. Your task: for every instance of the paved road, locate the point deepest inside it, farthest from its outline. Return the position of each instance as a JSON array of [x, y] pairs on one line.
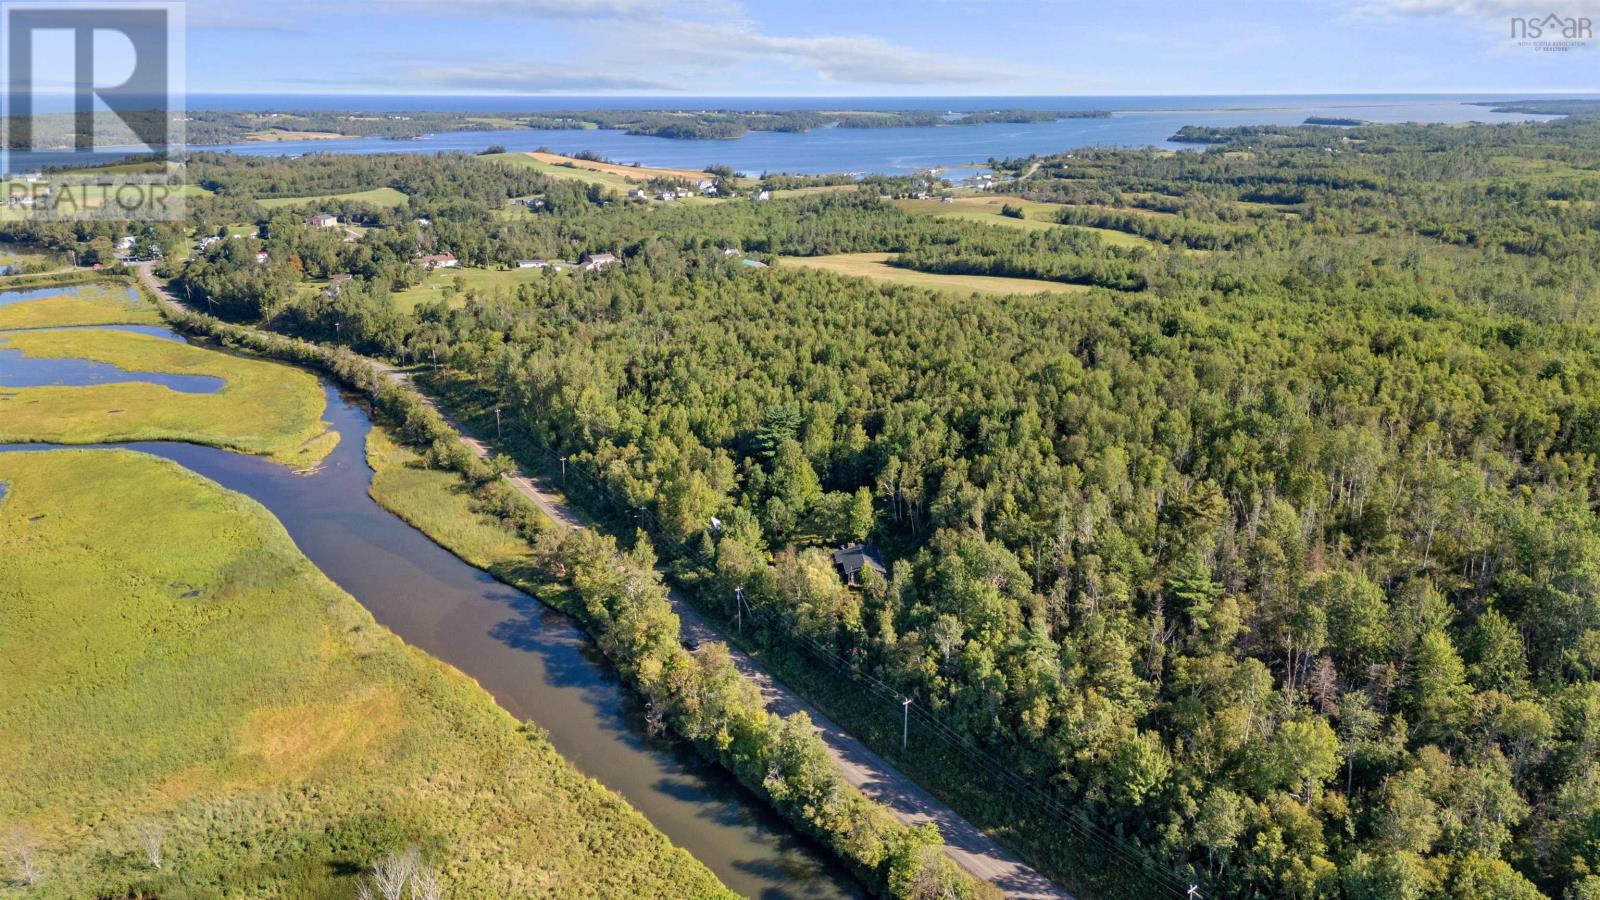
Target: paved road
[[862, 768]]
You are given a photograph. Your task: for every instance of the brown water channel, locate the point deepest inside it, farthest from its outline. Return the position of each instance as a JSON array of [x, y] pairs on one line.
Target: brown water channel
[[536, 662]]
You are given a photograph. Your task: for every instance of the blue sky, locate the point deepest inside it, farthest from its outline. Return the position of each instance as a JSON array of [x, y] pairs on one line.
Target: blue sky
[[878, 47]]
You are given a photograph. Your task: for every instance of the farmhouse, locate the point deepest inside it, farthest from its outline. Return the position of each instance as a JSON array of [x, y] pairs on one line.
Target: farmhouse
[[261, 257], [852, 558], [532, 263], [438, 261], [593, 262], [763, 195], [322, 220]]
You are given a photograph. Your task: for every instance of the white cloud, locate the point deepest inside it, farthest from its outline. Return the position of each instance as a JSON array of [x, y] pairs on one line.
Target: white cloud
[[530, 79], [1495, 10]]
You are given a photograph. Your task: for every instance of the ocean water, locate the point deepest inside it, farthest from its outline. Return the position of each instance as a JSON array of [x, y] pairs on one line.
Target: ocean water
[[1134, 122]]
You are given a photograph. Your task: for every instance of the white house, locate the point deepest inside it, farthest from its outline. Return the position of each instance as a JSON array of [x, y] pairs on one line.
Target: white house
[[438, 261], [763, 195], [322, 220], [593, 262], [532, 263], [261, 257]]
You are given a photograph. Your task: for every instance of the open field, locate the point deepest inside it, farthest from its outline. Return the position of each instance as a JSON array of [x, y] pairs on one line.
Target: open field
[[275, 136], [264, 408], [384, 196], [214, 689], [618, 178], [1036, 215], [451, 284], [873, 265], [98, 303]]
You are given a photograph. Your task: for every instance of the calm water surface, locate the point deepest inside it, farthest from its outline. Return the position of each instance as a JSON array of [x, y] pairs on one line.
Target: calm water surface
[[1135, 122], [536, 662]]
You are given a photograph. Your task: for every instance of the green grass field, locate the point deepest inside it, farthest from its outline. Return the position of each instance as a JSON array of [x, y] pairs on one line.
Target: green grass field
[[451, 284], [873, 266], [265, 408], [99, 303], [384, 196], [1036, 215], [171, 665]]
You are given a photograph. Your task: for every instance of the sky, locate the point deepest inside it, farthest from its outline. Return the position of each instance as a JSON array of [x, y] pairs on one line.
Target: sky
[[879, 47]]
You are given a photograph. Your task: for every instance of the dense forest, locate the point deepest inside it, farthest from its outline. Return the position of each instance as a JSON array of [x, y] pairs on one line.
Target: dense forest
[[1276, 551]]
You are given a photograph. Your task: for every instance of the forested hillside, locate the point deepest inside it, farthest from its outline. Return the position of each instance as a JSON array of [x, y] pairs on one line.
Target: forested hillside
[[1277, 551]]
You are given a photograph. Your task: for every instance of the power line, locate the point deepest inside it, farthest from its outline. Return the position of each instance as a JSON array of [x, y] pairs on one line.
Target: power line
[[1122, 851]]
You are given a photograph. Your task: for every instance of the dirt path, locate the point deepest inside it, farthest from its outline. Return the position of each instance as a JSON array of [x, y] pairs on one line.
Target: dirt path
[[862, 768]]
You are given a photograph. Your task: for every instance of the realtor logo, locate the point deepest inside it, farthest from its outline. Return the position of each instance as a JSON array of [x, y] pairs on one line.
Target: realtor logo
[[93, 95], [1552, 32]]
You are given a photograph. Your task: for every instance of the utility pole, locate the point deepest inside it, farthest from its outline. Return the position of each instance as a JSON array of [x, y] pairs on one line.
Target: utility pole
[[497, 435], [1194, 892], [905, 722], [563, 471], [738, 608]]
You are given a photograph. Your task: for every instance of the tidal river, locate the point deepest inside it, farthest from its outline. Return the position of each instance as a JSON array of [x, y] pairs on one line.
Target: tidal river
[[535, 661]]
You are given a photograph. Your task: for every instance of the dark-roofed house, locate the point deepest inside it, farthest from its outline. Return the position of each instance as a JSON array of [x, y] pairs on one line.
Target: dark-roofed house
[[852, 558]]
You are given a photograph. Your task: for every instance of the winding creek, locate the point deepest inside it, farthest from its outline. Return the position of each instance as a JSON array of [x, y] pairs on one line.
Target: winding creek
[[535, 662]]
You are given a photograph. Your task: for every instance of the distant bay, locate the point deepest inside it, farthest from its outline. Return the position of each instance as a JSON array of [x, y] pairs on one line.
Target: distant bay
[[1134, 122]]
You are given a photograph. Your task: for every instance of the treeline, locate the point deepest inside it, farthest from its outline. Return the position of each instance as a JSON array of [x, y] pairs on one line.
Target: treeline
[[619, 598], [1281, 567]]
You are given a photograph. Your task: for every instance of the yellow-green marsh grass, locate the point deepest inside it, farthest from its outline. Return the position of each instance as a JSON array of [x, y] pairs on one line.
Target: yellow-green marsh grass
[[171, 664], [264, 407], [876, 267], [96, 303]]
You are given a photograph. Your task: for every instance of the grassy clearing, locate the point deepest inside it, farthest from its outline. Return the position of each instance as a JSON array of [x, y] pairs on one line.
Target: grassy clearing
[[873, 266], [101, 303], [265, 408], [986, 209], [618, 178], [384, 196], [213, 686], [1036, 215], [275, 136], [451, 285]]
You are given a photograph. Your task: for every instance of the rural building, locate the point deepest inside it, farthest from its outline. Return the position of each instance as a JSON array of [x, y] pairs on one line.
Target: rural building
[[261, 257], [532, 263], [753, 263], [438, 261], [638, 194], [852, 558], [336, 284], [424, 222], [126, 243], [593, 262], [669, 195], [322, 220], [730, 251], [763, 195]]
